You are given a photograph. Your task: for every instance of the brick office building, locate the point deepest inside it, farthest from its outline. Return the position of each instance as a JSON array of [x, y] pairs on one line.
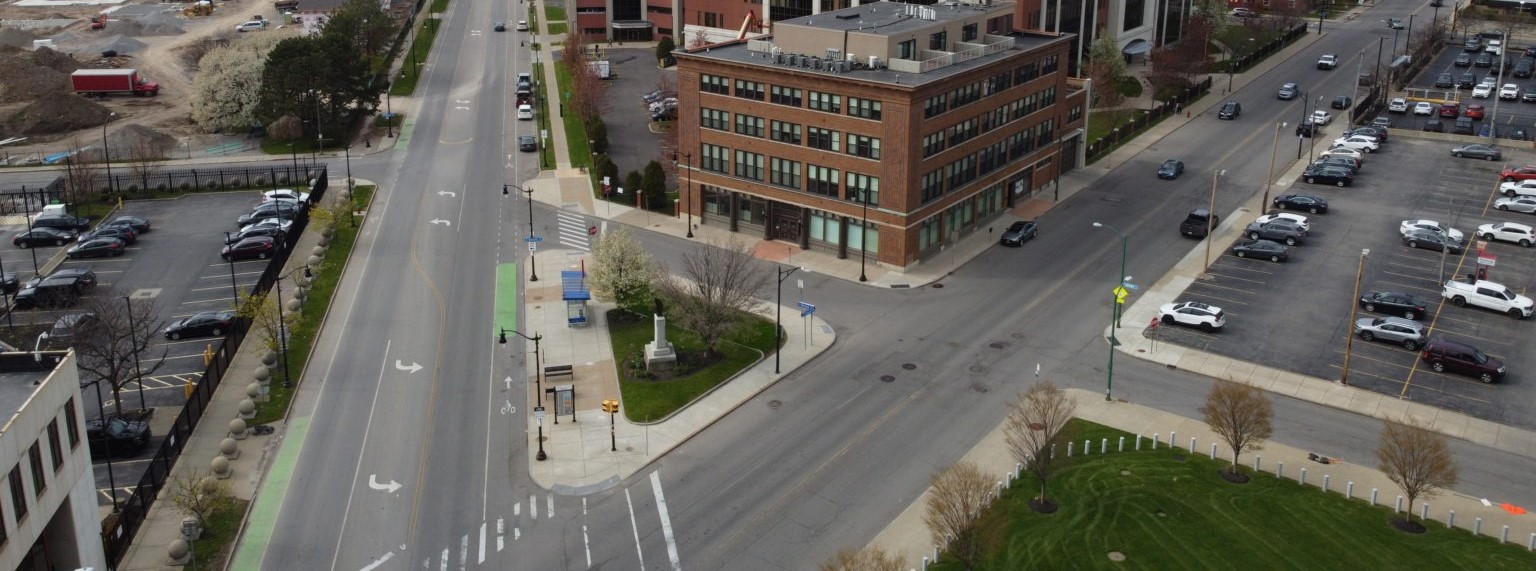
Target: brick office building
[[891, 127]]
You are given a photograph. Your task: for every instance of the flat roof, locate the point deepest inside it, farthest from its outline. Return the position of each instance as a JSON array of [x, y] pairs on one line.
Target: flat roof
[[15, 389], [887, 18]]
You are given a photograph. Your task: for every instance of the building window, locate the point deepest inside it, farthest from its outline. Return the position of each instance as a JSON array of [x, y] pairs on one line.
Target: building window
[[1135, 14], [994, 119], [714, 158], [72, 423], [714, 84], [965, 95], [933, 144], [819, 138], [864, 237], [962, 131], [863, 188], [714, 119], [785, 173], [1045, 132], [786, 96], [928, 233], [749, 125], [18, 493], [1026, 72], [968, 32], [749, 165], [1075, 113], [865, 108], [862, 146], [939, 41], [35, 459], [935, 105], [826, 102], [785, 132], [932, 185], [55, 448], [749, 90], [906, 50], [961, 172], [996, 83], [1049, 64], [821, 180], [825, 228]]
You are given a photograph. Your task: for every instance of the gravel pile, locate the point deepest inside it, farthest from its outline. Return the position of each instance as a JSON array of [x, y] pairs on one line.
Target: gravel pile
[[26, 75], [54, 115]]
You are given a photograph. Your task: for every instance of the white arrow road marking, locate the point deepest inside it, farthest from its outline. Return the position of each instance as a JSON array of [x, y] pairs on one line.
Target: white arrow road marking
[[373, 482], [446, 193], [413, 367], [482, 544], [509, 382], [666, 521], [551, 504], [380, 561], [440, 221], [586, 544], [632, 525]]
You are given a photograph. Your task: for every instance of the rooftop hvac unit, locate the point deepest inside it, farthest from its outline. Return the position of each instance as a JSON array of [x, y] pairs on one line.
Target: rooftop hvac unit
[[834, 53], [816, 63], [874, 62], [851, 58]]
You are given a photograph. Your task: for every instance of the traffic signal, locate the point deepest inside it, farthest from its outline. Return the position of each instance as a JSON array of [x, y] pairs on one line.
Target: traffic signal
[[610, 406]]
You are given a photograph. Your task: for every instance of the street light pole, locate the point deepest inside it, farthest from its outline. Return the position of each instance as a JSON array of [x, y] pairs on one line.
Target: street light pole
[[863, 234], [1210, 219], [351, 200], [533, 266], [1349, 340], [106, 154], [1270, 180], [234, 288], [538, 370], [1115, 304], [778, 308], [687, 194]]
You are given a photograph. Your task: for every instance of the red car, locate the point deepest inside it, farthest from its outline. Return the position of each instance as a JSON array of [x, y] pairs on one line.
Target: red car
[[1450, 110], [1474, 111], [1513, 173]]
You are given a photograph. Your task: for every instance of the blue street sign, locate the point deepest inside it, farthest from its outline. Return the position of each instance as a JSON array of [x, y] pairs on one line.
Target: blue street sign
[[806, 308], [534, 239]]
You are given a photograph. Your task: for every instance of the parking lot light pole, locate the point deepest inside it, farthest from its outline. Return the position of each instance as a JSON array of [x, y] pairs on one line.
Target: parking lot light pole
[[106, 154], [1114, 320], [533, 267], [1210, 219], [282, 323], [133, 341], [234, 287], [1349, 332]]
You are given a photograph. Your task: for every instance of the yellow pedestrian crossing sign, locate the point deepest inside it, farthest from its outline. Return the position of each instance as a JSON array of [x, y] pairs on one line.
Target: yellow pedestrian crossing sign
[[1120, 293]]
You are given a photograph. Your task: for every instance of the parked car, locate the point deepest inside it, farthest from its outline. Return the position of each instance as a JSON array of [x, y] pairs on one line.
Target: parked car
[[1423, 108], [97, 248], [274, 209], [1446, 80], [1462, 126], [78, 279], [1526, 204], [62, 222], [1397, 105], [1321, 118], [527, 143], [1326, 174], [1484, 59], [1478, 151], [1288, 91], [1276, 230], [1410, 334], [1420, 224], [1020, 232], [1463, 60], [124, 233], [1244, 13], [1466, 81], [1170, 169], [256, 247], [252, 231], [1382, 121], [1345, 101], [1378, 132], [1508, 232], [1198, 222], [275, 223], [201, 324], [1518, 188], [1475, 111], [1450, 110], [1509, 92], [1289, 218], [1306, 128], [43, 237], [1434, 126], [1454, 357], [139, 224], [1303, 202], [1529, 96], [1264, 249], [1395, 303], [1358, 143], [116, 437], [1428, 240], [285, 194], [525, 112], [1514, 173], [1346, 163], [1194, 314], [1473, 44]]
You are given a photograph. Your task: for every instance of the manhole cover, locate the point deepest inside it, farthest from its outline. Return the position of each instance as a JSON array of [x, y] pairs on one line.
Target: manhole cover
[[1116, 556], [909, 366], [888, 378], [938, 286], [775, 403], [980, 388], [997, 345]]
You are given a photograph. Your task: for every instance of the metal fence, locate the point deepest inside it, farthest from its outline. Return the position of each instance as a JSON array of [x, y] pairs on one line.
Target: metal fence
[[131, 182], [118, 532]]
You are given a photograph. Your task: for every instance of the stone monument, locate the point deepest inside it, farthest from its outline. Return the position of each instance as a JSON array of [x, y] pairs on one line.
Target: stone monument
[[659, 356]]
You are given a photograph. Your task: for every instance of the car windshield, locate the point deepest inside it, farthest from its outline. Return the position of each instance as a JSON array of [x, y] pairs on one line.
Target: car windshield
[[1479, 356], [117, 428]]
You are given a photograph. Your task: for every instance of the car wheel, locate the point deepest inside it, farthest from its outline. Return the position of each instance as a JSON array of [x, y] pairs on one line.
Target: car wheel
[[1274, 258], [1413, 244], [1459, 301], [1371, 307], [23, 245], [1409, 315], [173, 336], [1410, 345], [1502, 207], [1253, 235], [1311, 180], [1509, 193], [1438, 367], [1491, 157], [1485, 377], [1290, 241], [1509, 179], [1515, 313], [1488, 237], [1457, 155], [1525, 243], [1206, 327], [217, 332], [1367, 335], [1340, 183], [1312, 210], [1168, 319], [1242, 254], [262, 255]]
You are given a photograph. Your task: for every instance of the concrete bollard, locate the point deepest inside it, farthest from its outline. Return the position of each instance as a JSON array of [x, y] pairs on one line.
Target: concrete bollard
[[229, 448], [1374, 492], [314, 261], [1104, 446], [1424, 511], [1138, 442], [1349, 490], [1531, 545], [1257, 461], [1087, 447], [1325, 482], [1398, 506], [262, 373], [1213, 451], [1191, 445], [1280, 469], [269, 359], [1154, 441], [1477, 526], [178, 553], [1173, 439], [237, 429], [1122, 445], [257, 392], [247, 409], [1450, 520], [1069, 448], [317, 251], [1303, 479], [220, 468], [1504, 535]]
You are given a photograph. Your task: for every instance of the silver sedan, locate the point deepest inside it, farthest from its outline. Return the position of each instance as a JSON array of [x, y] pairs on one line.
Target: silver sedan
[[1526, 204]]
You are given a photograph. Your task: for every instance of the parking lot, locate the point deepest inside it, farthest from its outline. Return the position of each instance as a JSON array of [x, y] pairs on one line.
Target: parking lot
[[177, 266], [1510, 114], [1296, 315]]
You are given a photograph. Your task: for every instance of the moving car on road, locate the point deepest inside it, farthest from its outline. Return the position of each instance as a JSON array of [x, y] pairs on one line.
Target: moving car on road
[[1288, 91], [1020, 232], [1171, 169]]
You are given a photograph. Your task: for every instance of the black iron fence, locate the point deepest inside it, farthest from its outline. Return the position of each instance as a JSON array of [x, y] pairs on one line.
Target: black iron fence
[[1148, 117], [131, 182], [118, 531]]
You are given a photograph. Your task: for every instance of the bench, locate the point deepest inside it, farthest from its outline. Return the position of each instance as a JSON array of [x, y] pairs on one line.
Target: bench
[[558, 371]]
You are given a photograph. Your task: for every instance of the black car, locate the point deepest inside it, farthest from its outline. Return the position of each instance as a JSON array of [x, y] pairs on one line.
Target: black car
[[1434, 126], [1020, 232], [1229, 111], [1395, 303], [1276, 230], [1466, 81], [1378, 132], [1288, 92], [1343, 102], [1445, 80], [252, 231], [1463, 60], [97, 248], [1528, 95], [202, 324], [1306, 128], [62, 222], [80, 278], [501, 26], [1484, 59], [259, 247], [1264, 249], [43, 237], [1171, 169], [1473, 44], [1339, 162], [1326, 174], [1303, 202], [116, 437], [274, 209], [527, 143], [1425, 239], [9, 282], [139, 224], [122, 232], [1476, 151]]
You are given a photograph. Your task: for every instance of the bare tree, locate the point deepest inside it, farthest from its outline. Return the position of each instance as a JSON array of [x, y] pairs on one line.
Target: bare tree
[[1418, 460], [1241, 415], [262, 310], [589, 93], [143, 157], [1037, 421], [717, 284], [866, 559], [955, 503], [198, 494], [80, 173], [114, 346], [622, 271], [1105, 66]]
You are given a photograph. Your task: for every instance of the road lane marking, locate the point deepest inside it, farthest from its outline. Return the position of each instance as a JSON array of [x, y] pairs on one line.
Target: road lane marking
[[443, 566], [550, 505], [517, 509], [586, 545], [501, 533], [482, 543], [463, 551], [636, 528], [533, 506], [377, 562], [666, 521]]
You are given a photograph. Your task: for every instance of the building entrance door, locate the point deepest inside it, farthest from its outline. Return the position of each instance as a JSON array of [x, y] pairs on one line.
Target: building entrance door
[[786, 223]]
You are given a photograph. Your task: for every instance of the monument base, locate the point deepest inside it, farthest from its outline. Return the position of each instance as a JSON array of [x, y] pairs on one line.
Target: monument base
[[659, 359]]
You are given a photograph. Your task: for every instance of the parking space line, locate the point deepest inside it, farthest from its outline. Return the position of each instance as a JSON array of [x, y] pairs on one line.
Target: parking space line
[[213, 300], [1221, 287], [1225, 302], [1240, 278]]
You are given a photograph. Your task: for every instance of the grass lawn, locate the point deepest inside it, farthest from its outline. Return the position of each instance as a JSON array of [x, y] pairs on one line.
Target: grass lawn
[[581, 152], [1100, 123], [652, 400], [212, 549], [1128, 86], [1164, 513], [405, 84], [557, 28], [554, 13]]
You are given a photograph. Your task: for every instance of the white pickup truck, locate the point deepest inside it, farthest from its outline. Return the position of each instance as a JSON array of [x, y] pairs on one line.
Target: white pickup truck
[[1484, 293], [1327, 61]]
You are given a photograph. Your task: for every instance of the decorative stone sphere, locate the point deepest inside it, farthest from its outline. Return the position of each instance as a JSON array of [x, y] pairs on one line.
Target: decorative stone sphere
[[253, 390], [269, 359], [228, 447], [177, 549], [247, 408]]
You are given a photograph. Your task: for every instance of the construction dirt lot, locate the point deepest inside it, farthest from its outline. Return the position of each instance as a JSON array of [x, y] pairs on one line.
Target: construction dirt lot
[[161, 40]]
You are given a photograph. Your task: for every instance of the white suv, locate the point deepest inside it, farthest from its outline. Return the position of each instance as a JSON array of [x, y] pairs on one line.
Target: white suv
[[1508, 232], [1193, 313], [1484, 90], [1398, 105]]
